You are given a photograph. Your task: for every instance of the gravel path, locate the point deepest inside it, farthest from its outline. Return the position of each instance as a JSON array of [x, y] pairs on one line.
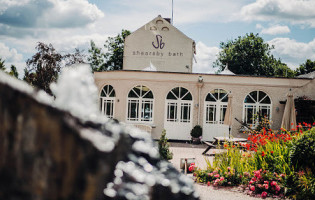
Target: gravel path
[[181, 150]]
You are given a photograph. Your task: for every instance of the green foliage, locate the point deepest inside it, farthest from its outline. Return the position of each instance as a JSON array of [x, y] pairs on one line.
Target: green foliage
[[250, 55], [2, 66], [43, 68], [302, 153], [301, 185], [164, 150], [115, 51], [96, 57], [305, 68], [196, 132], [13, 72], [113, 58]]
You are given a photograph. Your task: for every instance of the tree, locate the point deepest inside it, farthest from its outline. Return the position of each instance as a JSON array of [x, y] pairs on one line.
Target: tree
[[113, 58], [74, 58], [96, 57], [164, 150], [305, 68], [14, 72], [248, 55], [2, 66], [43, 68]]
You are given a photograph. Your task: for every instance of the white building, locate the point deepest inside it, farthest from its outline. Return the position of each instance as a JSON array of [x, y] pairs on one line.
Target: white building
[[157, 88]]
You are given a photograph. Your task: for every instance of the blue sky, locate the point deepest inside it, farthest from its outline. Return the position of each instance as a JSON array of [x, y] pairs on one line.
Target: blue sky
[[70, 24]]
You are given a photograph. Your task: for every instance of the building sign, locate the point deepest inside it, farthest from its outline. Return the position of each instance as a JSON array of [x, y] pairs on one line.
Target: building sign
[[158, 44]]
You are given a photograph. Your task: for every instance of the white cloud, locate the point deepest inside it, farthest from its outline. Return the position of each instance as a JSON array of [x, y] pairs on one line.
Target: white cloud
[[273, 30], [293, 11], [12, 57], [9, 55], [292, 52], [48, 13], [205, 57]]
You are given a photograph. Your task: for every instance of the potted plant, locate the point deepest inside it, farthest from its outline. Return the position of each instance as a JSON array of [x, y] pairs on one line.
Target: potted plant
[[196, 134]]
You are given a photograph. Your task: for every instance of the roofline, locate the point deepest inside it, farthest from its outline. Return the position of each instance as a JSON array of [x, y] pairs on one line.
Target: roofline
[[204, 74]]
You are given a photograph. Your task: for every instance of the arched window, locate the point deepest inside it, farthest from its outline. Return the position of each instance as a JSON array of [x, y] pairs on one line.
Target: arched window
[[140, 104], [107, 100], [179, 105], [257, 104], [216, 104]]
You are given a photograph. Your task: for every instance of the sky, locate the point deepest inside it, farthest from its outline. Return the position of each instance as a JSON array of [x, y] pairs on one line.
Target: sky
[[289, 25]]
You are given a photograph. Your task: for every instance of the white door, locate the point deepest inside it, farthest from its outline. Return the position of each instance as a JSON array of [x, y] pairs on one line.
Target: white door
[[178, 114], [215, 108]]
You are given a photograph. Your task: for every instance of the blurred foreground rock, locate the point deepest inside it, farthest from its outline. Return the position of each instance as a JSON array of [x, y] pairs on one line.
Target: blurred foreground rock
[[46, 153]]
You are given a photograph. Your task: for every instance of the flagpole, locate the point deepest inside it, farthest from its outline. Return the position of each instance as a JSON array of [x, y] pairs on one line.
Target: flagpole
[[172, 12]]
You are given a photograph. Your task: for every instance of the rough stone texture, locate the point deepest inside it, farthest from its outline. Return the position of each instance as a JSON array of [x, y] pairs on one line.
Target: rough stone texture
[[46, 153]]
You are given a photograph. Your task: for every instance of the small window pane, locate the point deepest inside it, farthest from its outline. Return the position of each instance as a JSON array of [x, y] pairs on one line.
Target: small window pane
[[266, 100], [176, 92], [222, 94], [112, 93], [187, 97], [249, 99], [146, 111], [132, 94], [210, 97], [172, 112], [254, 95], [148, 95], [133, 110], [183, 92], [211, 114], [185, 112], [170, 95]]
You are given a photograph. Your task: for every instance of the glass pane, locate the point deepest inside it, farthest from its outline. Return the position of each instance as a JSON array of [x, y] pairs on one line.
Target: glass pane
[[183, 92], [138, 90], [266, 100], [176, 91], [103, 93], [225, 98], [211, 114], [264, 112], [132, 94], [101, 103], [210, 97], [112, 93], [215, 94], [108, 109], [261, 95], [250, 114], [222, 94], [148, 95], [222, 113], [170, 95], [133, 110], [249, 99], [254, 95], [172, 112], [187, 97], [146, 111], [185, 113]]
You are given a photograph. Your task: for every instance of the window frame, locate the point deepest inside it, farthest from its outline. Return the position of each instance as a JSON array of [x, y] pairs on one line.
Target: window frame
[[179, 104], [107, 99], [140, 102], [256, 107], [218, 107]]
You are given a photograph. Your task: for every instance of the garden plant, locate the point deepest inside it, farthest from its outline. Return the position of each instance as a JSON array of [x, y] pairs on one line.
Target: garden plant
[[271, 164]]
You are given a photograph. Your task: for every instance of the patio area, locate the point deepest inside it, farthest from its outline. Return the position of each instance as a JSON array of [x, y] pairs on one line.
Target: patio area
[[188, 150]]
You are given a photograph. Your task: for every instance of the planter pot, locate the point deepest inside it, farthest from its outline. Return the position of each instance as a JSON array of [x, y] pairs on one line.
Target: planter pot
[[196, 140]]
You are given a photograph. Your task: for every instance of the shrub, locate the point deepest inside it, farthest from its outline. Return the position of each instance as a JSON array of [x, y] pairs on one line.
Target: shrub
[[196, 132], [302, 152], [164, 150]]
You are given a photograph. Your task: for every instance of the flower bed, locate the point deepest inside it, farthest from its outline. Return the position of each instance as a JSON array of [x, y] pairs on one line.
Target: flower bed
[[264, 168]]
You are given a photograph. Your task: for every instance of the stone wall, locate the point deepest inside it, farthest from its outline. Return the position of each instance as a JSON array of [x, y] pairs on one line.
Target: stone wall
[[46, 153]]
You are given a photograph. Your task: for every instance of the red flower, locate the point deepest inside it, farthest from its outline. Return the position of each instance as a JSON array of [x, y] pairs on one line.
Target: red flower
[[262, 153], [263, 194], [271, 152], [208, 183]]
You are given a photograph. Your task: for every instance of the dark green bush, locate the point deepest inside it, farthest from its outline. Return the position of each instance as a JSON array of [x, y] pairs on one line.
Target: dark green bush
[[302, 152], [196, 132], [164, 150]]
